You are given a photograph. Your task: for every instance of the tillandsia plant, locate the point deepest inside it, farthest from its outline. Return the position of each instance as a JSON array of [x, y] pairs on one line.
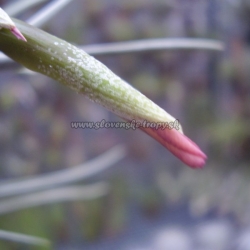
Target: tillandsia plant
[[51, 56]]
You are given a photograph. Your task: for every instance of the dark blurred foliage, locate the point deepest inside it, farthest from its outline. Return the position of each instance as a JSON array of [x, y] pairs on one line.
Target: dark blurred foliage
[[207, 91]]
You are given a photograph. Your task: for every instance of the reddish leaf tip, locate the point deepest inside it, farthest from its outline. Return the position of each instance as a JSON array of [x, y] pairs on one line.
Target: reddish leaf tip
[[179, 145], [18, 34]]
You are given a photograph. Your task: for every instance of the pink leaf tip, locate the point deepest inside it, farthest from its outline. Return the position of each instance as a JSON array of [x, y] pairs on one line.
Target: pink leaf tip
[[179, 145], [18, 34]]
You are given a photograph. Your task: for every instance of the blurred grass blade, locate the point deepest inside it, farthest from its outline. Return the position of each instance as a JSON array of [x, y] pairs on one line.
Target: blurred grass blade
[[47, 12], [72, 193], [154, 44], [23, 238], [65, 176], [19, 6]]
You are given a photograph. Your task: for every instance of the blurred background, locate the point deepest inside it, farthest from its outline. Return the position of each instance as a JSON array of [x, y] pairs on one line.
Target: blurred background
[[153, 201]]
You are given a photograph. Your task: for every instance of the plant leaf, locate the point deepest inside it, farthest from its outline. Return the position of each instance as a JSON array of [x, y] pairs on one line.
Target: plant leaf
[[81, 72], [7, 23]]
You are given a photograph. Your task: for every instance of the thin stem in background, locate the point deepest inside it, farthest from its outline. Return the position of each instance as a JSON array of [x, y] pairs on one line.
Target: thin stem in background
[[47, 12], [86, 192], [153, 44], [65, 176]]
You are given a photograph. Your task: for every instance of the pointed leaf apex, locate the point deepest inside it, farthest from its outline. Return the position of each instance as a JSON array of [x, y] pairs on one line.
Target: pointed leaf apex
[[18, 34], [7, 23]]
